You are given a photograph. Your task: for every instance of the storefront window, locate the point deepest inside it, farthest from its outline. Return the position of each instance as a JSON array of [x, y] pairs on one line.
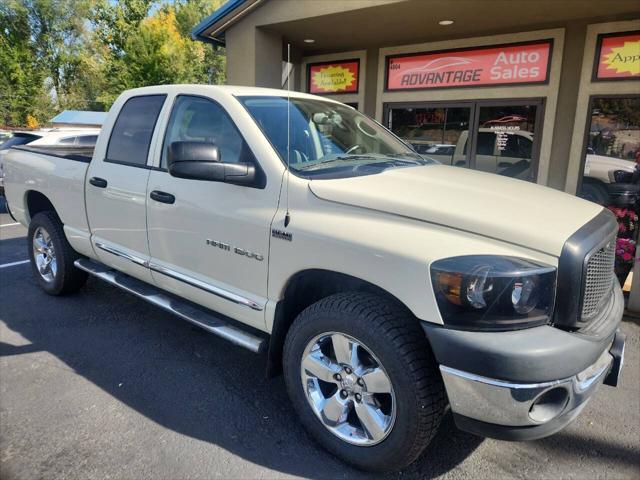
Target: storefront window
[[612, 149], [496, 138], [434, 132], [611, 177], [506, 139]]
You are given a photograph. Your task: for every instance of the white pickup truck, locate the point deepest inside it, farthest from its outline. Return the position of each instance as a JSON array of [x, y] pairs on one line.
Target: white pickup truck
[[385, 286]]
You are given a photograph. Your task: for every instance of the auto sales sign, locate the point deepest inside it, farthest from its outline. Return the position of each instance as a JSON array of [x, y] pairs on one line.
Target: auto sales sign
[[496, 65]]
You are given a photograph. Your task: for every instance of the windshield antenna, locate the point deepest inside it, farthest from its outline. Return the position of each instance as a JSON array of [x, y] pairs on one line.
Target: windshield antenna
[[287, 217]]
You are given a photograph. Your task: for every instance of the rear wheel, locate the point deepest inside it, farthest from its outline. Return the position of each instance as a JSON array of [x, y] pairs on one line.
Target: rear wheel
[[52, 257], [362, 378]]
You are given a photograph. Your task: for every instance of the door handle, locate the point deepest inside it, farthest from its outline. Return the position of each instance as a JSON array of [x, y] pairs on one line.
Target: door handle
[[98, 182], [162, 197]]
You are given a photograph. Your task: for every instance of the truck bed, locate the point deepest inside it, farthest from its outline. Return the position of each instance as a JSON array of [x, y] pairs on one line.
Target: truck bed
[[57, 173], [78, 153]]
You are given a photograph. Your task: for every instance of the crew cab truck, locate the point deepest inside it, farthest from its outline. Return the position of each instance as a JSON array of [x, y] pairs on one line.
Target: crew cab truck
[[384, 285]]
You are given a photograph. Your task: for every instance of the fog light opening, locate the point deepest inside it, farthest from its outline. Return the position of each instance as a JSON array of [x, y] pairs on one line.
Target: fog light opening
[[549, 405]]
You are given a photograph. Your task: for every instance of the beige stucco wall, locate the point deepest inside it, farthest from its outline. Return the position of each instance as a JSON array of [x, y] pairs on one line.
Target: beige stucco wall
[[252, 46], [587, 89], [343, 97], [549, 91]]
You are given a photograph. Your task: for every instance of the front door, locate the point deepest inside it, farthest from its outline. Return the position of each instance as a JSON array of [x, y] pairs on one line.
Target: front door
[[209, 241]]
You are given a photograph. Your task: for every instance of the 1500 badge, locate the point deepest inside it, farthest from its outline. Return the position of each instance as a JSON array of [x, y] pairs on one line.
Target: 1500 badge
[[240, 251]]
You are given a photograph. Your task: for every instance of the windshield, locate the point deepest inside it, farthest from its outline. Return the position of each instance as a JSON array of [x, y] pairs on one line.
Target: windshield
[[327, 137]]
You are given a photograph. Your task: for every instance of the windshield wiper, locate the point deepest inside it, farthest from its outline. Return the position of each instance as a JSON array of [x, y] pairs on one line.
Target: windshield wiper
[[340, 158]]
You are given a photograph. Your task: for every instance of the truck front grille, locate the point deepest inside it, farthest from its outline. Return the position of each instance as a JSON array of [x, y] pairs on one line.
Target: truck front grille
[[599, 278], [586, 277]]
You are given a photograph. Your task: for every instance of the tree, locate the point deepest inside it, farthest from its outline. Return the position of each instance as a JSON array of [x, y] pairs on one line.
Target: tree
[[157, 49], [21, 76], [188, 14], [81, 54]]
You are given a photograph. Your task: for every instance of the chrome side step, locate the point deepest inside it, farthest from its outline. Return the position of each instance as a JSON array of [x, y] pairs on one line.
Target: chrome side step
[[182, 308]]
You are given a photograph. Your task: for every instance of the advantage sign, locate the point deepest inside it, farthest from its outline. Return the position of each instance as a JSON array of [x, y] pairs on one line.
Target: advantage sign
[[499, 65], [334, 77], [618, 56]]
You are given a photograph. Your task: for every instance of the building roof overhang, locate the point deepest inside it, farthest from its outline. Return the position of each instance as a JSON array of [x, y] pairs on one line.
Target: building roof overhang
[[212, 28]]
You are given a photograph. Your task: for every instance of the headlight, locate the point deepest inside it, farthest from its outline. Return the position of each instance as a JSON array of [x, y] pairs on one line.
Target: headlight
[[487, 292], [621, 176]]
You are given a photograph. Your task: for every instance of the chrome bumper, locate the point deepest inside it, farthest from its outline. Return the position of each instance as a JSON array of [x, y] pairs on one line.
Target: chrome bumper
[[503, 403]]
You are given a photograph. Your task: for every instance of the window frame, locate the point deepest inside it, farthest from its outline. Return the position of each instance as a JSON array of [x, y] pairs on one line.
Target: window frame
[[145, 165]]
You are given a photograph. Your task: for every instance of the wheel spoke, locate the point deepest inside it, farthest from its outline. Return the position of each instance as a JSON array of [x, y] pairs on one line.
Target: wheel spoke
[[376, 381], [40, 262], [372, 419], [335, 410], [346, 351], [320, 366], [45, 265], [53, 267], [39, 244]]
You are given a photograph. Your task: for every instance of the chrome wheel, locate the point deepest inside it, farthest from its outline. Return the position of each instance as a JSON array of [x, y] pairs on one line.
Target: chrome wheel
[[44, 254], [348, 389]]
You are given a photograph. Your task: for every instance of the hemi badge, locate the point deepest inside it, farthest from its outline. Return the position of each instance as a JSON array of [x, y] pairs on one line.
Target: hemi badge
[[281, 235]]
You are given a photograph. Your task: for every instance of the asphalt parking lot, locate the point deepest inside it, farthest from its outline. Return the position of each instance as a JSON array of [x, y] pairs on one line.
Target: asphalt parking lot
[[101, 385]]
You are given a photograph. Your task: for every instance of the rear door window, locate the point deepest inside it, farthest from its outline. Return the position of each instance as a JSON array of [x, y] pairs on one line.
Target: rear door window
[[132, 132]]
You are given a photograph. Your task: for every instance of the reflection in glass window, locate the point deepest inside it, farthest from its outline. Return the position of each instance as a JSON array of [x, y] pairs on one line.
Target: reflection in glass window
[[439, 133], [612, 151], [505, 140], [611, 177]]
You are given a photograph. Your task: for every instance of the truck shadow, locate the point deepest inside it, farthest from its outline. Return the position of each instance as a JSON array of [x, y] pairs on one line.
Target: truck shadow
[[186, 379]]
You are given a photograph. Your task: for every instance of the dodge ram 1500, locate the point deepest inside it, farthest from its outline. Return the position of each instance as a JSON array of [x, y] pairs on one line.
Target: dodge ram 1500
[[383, 285]]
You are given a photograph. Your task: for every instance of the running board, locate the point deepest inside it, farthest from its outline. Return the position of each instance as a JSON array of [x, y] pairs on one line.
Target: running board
[[184, 309]]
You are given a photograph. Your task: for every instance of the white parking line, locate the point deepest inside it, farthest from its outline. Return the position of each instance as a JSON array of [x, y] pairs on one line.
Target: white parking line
[[10, 224], [13, 264]]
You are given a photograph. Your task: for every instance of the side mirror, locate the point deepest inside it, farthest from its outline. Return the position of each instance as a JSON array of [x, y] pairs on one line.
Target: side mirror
[[201, 161]]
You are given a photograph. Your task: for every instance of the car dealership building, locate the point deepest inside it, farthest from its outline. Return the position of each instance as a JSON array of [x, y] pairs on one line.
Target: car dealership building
[[542, 90]]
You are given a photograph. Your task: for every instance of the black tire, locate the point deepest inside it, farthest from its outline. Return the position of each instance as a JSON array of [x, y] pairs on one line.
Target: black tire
[[595, 192], [68, 278], [397, 340]]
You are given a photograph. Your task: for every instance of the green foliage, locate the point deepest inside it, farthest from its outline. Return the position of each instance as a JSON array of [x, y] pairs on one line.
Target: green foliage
[[21, 76], [81, 54], [157, 49]]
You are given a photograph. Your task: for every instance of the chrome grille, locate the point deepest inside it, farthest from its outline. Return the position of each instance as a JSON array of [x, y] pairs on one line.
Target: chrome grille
[[599, 279]]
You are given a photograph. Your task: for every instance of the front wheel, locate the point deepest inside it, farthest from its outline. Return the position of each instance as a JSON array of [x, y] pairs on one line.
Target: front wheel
[[363, 380], [52, 257]]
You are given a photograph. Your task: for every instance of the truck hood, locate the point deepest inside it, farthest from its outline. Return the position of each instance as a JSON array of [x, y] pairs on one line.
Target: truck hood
[[610, 162], [511, 210]]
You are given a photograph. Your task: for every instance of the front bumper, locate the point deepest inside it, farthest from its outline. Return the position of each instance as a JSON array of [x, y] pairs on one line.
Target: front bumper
[[526, 384], [526, 411]]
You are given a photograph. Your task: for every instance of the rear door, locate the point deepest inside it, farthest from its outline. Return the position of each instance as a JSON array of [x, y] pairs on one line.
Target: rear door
[[117, 185]]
